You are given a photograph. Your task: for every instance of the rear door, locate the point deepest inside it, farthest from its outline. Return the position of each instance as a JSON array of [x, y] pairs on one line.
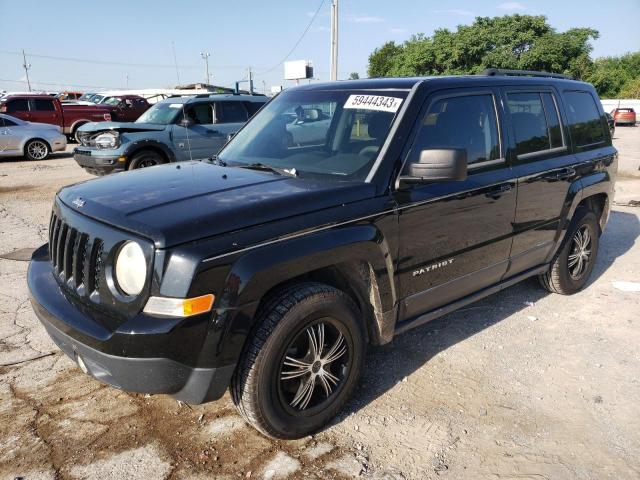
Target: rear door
[[43, 110], [18, 107], [455, 236], [545, 168]]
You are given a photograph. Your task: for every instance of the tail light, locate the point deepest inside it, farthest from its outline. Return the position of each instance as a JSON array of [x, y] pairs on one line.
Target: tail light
[[107, 117]]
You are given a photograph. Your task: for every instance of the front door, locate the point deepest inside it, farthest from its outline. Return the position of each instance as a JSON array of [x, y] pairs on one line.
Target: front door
[[455, 236], [198, 140], [43, 110]]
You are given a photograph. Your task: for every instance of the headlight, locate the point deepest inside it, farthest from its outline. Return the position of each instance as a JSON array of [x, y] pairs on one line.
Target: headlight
[[107, 140], [131, 268]]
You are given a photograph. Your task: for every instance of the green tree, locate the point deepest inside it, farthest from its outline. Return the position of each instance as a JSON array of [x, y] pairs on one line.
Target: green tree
[[631, 89], [511, 41], [354, 76]]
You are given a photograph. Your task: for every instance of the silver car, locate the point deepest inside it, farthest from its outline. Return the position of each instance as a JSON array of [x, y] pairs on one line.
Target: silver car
[[33, 140]]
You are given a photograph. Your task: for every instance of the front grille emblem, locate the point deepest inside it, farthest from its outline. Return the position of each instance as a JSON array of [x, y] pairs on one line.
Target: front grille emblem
[[78, 202]]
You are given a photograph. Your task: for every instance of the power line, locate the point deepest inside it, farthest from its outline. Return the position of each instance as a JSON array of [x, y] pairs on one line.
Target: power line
[[57, 84], [297, 43], [119, 64]]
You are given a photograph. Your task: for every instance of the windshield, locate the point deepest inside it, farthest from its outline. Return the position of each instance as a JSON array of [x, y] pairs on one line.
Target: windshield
[[337, 134], [111, 101], [87, 96], [161, 114], [97, 99]]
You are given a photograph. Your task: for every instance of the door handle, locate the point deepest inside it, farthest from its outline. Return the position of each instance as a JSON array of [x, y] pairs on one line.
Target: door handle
[[498, 191], [565, 173]]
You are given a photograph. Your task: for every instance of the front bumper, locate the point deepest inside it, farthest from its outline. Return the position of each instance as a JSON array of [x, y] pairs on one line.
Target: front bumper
[[98, 162], [59, 143], [77, 334]]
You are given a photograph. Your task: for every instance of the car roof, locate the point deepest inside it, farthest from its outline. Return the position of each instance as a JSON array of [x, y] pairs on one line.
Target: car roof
[[215, 96], [406, 83]]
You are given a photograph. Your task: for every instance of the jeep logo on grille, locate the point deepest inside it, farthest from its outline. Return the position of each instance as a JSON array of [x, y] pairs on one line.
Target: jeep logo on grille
[[78, 202]]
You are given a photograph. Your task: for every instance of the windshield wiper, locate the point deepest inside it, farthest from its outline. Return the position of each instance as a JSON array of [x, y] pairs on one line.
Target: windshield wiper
[[214, 160], [267, 168]]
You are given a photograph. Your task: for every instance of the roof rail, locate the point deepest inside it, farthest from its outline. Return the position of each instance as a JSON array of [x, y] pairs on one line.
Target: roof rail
[[494, 72]]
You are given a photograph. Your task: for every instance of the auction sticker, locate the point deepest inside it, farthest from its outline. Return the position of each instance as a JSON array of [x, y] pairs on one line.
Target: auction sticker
[[373, 102]]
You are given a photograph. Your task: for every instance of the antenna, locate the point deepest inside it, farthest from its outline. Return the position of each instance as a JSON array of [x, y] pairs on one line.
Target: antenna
[[186, 129], [334, 40], [26, 66]]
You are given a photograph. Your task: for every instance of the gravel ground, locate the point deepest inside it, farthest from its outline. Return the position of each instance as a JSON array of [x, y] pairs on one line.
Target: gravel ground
[[522, 385]]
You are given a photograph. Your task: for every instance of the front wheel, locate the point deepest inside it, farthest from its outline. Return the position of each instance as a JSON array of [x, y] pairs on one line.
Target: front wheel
[[576, 258], [144, 159], [302, 363], [36, 149]]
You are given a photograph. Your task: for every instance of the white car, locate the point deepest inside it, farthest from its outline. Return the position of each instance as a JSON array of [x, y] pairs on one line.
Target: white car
[[33, 140]]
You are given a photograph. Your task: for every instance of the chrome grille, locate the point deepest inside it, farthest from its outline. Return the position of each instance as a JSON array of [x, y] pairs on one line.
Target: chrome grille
[[75, 256]]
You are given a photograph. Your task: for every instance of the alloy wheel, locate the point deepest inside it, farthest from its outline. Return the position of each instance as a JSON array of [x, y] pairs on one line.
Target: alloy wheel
[[580, 254], [314, 367], [37, 150]]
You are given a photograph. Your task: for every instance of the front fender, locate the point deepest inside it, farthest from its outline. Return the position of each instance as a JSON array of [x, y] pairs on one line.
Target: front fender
[[133, 146], [258, 271]]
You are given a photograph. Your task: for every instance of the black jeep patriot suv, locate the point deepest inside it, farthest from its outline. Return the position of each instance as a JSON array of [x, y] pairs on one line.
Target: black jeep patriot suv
[[341, 215]]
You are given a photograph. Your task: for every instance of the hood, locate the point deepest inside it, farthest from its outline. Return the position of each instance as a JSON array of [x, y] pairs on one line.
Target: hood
[[121, 127], [178, 203]]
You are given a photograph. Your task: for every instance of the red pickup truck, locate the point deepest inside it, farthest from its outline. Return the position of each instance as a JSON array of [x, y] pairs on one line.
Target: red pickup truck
[[47, 109]]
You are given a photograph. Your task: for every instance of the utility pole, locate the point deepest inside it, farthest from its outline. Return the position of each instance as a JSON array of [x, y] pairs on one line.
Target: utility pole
[[250, 75], [126, 75], [26, 66], [334, 40], [205, 56]]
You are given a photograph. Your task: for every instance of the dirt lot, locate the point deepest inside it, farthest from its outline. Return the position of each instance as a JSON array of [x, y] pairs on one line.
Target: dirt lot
[[523, 385]]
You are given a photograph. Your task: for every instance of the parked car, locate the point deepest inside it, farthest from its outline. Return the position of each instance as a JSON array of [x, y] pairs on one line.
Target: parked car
[[611, 122], [68, 96], [47, 109], [172, 130], [127, 108], [624, 116], [34, 141], [271, 268]]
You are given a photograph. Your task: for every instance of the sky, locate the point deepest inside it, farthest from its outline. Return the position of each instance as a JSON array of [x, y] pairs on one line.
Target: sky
[[118, 43]]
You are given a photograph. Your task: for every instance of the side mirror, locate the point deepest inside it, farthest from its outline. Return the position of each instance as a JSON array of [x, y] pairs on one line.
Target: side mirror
[[439, 164], [186, 122]]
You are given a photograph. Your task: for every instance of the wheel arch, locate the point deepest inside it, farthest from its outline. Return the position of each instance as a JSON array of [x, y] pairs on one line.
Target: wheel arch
[[30, 139], [150, 145]]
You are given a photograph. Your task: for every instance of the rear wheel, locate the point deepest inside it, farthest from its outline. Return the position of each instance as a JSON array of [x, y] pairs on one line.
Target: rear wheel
[[146, 158], [36, 149], [576, 258], [302, 363]]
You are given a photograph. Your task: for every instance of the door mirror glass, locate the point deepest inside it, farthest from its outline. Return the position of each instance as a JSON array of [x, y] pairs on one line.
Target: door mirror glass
[[186, 122], [438, 164]]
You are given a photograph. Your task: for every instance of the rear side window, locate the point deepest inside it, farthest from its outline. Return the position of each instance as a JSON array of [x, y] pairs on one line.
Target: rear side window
[[253, 107], [231, 112], [535, 122], [467, 122], [18, 106], [44, 105], [585, 123], [5, 122]]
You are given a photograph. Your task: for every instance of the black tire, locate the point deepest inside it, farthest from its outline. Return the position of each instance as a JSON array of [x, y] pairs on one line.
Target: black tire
[[146, 158], [267, 400], [75, 136], [37, 149], [562, 277]]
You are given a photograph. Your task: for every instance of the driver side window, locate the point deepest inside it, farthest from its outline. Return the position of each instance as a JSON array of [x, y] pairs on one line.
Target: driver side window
[[201, 114], [462, 122]]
